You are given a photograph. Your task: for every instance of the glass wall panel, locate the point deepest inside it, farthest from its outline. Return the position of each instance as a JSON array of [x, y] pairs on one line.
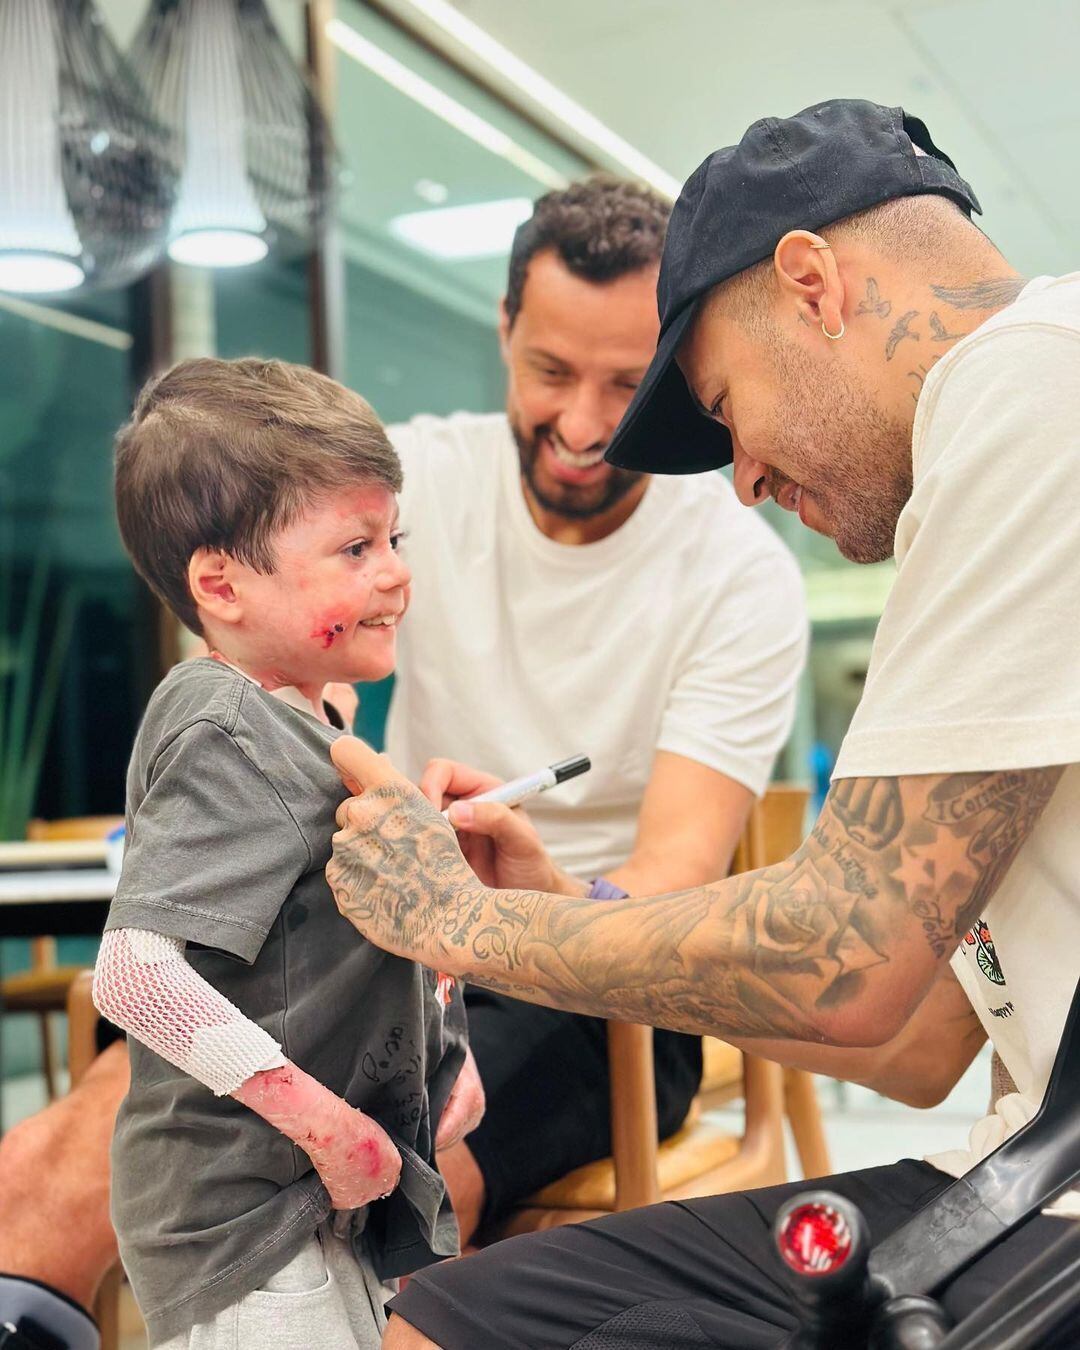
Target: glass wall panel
[[420, 324], [64, 389], [262, 311], [73, 615]]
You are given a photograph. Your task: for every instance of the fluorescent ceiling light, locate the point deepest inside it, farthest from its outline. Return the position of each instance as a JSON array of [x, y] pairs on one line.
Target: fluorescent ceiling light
[[422, 91], [482, 230], [74, 324], [431, 191], [543, 92]]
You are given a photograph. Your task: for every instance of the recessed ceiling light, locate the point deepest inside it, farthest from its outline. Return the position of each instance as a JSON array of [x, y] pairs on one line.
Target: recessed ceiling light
[[456, 233], [28, 272], [218, 248], [431, 191]]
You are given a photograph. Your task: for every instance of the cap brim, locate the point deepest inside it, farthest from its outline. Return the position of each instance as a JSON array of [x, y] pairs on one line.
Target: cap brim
[[662, 431]]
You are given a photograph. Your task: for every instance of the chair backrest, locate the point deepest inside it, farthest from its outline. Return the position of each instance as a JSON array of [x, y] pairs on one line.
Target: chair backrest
[[776, 828], [83, 1018], [43, 949], [72, 827]]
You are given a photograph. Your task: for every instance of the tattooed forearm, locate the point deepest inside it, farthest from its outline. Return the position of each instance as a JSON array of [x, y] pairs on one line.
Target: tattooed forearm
[[837, 944]]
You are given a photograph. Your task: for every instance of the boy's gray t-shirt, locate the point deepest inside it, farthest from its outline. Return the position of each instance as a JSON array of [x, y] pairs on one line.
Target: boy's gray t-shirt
[[230, 809]]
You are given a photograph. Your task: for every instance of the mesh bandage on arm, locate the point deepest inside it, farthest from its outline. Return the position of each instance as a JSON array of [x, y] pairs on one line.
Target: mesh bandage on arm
[[143, 983]]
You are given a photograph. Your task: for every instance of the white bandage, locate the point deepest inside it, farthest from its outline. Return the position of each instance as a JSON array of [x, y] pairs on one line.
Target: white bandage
[[143, 983]]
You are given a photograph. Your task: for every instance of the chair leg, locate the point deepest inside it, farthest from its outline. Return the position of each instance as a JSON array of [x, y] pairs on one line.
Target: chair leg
[[107, 1309], [634, 1131], [804, 1115], [48, 1058]]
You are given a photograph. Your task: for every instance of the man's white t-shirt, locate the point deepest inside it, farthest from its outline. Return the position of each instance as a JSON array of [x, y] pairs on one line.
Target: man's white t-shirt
[[976, 662], [683, 630]]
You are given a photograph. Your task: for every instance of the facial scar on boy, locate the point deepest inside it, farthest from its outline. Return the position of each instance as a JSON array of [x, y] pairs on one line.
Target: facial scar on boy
[[328, 634]]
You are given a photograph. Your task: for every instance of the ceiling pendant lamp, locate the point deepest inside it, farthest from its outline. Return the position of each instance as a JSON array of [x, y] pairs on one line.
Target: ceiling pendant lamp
[[85, 181], [256, 155]]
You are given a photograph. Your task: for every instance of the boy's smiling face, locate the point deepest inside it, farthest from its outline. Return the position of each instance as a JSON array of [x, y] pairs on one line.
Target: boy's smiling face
[[328, 612]]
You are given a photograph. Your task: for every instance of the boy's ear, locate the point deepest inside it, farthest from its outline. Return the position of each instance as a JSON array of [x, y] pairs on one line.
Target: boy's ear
[[211, 574]]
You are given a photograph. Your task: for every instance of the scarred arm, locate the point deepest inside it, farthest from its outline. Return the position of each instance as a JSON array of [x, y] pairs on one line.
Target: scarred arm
[[143, 983]]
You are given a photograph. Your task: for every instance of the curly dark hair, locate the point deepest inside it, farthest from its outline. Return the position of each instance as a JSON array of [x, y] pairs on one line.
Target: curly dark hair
[[601, 228]]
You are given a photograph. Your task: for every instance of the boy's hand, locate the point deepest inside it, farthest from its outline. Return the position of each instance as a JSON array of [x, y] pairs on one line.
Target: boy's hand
[[464, 1108], [358, 1163], [352, 1153]]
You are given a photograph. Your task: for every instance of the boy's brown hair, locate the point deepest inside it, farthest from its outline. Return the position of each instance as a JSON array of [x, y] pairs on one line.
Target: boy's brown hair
[[224, 454]]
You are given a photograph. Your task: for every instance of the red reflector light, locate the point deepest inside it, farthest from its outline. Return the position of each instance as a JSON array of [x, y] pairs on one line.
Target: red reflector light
[[815, 1239]]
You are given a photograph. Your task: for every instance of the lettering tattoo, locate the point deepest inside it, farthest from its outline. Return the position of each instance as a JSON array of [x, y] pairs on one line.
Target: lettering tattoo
[[836, 944], [901, 330], [990, 294], [873, 303], [937, 931]]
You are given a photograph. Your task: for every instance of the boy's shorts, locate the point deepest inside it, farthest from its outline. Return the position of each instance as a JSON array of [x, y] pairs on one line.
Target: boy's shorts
[[323, 1297]]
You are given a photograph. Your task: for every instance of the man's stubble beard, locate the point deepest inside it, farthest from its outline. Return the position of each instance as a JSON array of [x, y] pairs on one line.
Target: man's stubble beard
[[863, 490], [571, 503]]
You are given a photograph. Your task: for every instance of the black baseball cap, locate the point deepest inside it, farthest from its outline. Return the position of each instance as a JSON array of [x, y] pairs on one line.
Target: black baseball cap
[[795, 173]]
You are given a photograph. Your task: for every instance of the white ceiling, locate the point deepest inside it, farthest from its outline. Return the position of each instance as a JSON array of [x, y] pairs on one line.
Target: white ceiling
[[995, 82]]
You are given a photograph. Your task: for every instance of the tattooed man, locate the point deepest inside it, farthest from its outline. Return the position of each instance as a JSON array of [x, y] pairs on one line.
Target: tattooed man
[[835, 326]]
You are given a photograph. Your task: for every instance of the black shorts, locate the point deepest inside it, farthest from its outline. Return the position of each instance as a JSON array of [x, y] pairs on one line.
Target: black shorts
[[683, 1275], [545, 1075]]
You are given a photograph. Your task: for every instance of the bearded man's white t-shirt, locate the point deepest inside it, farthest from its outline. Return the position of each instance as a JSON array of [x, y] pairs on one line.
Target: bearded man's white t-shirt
[[976, 662], [684, 630]]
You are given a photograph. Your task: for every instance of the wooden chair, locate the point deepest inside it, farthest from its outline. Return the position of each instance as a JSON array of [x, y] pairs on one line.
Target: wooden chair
[[702, 1158], [43, 989], [83, 1019]]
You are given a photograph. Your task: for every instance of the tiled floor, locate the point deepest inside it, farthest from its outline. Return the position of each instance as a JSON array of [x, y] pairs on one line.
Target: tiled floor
[[862, 1130]]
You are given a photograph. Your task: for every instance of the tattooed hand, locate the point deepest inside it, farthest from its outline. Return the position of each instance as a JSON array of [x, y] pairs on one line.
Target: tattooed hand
[[396, 869]]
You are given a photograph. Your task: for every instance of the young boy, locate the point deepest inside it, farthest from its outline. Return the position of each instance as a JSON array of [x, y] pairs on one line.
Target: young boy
[[257, 500]]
